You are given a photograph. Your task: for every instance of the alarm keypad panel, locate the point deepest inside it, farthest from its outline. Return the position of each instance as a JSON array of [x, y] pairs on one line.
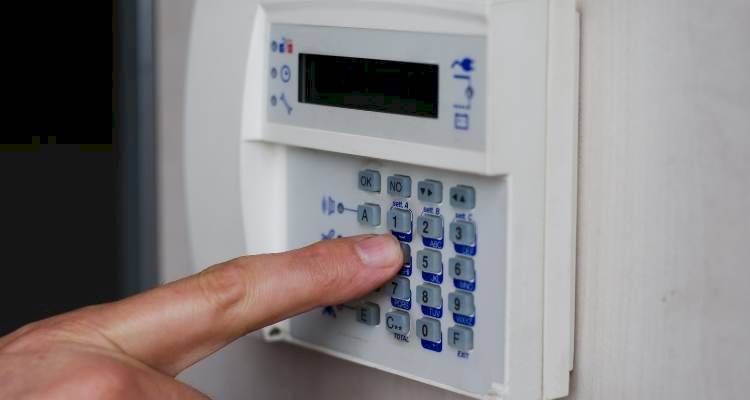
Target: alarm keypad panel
[[442, 318]]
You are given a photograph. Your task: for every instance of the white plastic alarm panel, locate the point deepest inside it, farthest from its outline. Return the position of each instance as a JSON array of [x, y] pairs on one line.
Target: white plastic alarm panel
[[451, 125]]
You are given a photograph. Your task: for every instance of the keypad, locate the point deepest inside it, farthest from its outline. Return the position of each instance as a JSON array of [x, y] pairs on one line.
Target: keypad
[[430, 261], [399, 185], [368, 214], [430, 226], [430, 288], [369, 180], [399, 220], [463, 233]]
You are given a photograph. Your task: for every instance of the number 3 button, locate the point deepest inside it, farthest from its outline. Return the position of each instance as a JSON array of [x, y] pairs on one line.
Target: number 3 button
[[463, 232]]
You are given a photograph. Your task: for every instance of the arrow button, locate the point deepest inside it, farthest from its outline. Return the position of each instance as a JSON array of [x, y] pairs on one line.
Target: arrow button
[[463, 197], [430, 191]]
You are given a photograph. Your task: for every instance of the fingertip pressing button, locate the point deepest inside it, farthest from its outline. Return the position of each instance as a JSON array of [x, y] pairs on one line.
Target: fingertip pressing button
[[406, 251]]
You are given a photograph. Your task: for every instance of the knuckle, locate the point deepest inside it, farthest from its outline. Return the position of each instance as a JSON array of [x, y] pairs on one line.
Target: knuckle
[[328, 267], [223, 286], [112, 380], [43, 334]]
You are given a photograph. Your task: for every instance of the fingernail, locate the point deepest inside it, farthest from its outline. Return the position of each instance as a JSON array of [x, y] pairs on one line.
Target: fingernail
[[378, 251]]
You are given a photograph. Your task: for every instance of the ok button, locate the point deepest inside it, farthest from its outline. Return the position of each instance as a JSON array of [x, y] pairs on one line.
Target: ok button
[[397, 322], [369, 180]]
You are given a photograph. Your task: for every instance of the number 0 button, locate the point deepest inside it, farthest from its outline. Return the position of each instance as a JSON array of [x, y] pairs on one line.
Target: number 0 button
[[429, 329]]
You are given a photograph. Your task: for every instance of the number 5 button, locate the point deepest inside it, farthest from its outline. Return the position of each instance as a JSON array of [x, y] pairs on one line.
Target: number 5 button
[[463, 232]]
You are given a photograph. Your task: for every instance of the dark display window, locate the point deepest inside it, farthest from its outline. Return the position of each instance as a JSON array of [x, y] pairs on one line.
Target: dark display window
[[367, 84]]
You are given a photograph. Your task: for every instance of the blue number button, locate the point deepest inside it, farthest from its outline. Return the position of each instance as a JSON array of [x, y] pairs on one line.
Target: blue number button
[[463, 233], [430, 226], [461, 303], [400, 288], [429, 329], [429, 295], [462, 268], [430, 261]]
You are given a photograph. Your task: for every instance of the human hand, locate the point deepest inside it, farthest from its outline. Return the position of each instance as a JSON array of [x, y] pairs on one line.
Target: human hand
[[134, 348]]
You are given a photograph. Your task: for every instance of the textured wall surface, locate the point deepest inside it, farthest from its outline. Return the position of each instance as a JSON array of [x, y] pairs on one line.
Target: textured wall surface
[[664, 223]]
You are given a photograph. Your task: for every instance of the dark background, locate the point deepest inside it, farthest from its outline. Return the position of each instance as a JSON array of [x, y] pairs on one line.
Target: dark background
[[76, 173]]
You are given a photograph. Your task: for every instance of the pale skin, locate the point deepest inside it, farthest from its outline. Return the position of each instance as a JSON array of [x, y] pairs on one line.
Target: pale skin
[[135, 347]]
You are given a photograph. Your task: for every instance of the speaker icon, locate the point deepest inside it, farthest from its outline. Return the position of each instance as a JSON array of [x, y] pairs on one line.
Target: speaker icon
[[328, 205]]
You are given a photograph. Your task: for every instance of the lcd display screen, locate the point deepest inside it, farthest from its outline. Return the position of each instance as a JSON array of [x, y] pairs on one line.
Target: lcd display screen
[[367, 84]]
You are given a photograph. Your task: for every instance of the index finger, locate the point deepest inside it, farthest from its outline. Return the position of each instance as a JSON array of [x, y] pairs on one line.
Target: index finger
[[174, 326]]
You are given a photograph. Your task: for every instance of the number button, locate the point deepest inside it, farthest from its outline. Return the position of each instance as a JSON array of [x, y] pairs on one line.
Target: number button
[[463, 232], [461, 338], [429, 295], [406, 251], [399, 185], [462, 268], [463, 197], [461, 303], [368, 214], [400, 288], [369, 180], [430, 261], [399, 220], [429, 329], [430, 226]]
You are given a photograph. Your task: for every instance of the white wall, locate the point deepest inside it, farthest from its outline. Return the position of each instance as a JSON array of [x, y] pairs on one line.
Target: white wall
[[664, 236]]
